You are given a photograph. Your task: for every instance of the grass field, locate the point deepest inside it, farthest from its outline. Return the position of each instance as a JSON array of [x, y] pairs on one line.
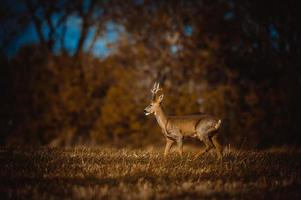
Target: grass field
[[95, 173]]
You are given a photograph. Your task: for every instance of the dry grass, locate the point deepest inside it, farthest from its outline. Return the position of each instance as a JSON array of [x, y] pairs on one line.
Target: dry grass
[[95, 173]]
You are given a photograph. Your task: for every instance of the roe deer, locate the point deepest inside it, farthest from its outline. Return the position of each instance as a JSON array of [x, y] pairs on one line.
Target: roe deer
[[174, 128]]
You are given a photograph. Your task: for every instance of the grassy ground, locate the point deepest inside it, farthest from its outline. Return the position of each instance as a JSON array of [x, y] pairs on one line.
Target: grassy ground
[[85, 173]]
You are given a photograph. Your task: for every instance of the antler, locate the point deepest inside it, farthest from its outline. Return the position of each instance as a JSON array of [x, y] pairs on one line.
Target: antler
[[156, 89]]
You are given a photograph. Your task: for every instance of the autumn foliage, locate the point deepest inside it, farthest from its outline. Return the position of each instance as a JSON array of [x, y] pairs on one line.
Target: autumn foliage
[[231, 59]]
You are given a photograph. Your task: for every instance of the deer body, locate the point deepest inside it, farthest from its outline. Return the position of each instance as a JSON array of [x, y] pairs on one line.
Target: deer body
[[192, 124], [175, 128]]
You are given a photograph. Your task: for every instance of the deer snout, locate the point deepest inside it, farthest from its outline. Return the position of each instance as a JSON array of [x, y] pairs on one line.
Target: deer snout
[[146, 112]]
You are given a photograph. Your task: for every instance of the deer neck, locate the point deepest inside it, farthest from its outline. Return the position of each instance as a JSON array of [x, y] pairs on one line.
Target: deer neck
[[161, 117]]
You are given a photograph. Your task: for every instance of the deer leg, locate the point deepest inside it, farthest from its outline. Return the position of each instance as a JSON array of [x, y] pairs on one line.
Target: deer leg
[[180, 146], [168, 145], [217, 146], [208, 146]]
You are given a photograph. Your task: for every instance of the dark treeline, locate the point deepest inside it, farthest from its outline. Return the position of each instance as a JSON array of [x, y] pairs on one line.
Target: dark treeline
[[235, 59]]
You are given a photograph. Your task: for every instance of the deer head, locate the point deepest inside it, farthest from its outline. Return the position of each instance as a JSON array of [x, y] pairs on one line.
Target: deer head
[[156, 100]]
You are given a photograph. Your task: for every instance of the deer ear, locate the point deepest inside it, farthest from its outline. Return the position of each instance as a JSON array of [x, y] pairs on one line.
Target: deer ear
[[160, 97]]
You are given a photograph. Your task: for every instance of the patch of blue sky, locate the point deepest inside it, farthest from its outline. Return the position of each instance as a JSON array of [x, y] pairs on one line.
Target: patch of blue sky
[[174, 48], [57, 47], [56, 17], [54, 20], [72, 33], [45, 30], [73, 29], [29, 36], [111, 35], [101, 48], [188, 30], [113, 31], [86, 4], [274, 36], [89, 38]]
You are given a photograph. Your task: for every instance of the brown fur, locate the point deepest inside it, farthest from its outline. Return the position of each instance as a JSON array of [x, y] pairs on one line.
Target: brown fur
[[174, 128]]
